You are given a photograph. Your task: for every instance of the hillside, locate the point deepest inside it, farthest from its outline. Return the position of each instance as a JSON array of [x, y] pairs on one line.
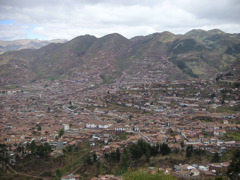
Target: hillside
[[155, 57]]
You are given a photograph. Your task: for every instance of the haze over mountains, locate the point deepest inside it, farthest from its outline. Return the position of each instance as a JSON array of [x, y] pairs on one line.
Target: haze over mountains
[[26, 44], [114, 58]]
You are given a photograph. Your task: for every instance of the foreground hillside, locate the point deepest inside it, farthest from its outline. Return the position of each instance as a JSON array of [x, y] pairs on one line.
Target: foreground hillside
[[114, 58]]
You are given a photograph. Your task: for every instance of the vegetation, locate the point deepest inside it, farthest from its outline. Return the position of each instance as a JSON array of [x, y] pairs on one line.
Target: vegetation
[[234, 135], [9, 87], [122, 136], [190, 151], [114, 156], [143, 148], [55, 78], [143, 175], [216, 158], [39, 150], [3, 153], [60, 132], [107, 79], [182, 65], [234, 168], [228, 109]]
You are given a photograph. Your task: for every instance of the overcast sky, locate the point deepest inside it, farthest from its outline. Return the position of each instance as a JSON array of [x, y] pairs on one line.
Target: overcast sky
[[66, 19]]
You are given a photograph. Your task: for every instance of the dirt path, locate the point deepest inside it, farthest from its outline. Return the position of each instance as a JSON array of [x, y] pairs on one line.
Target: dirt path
[[22, 174]]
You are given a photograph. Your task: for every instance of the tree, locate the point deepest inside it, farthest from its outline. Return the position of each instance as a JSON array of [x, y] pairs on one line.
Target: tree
[[182, 144], [213, 95], [47, 149], [136, 151], [189, 151], [39, 128], [165, 150], [94, 157], [216, 158], [130, 117], [89, 160], [147, 154], [125, 160], [118, 155], [60, 132], [234, 168], [20, 150], [154, 150], [3, 152], [33, 147], [58, 173]]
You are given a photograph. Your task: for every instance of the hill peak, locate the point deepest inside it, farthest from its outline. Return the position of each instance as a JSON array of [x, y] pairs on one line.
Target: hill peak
[[216, 31]]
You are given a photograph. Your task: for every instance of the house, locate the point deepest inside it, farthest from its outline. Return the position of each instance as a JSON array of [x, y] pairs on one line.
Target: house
[[71, 177], [219, 133], [203, 168], [194, 172], [183, 173], [106, 177], [225, 122], [98, 124]]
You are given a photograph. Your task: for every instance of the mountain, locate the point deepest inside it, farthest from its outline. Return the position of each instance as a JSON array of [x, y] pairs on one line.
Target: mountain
[[19, 44], [114, 58]]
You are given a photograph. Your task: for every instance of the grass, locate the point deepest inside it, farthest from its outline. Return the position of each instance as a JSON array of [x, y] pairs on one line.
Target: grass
[[72, 107], [123, 108], [54, 78], [122, 136], [228, 109], [15, 177], [74, 159], [234, 135], [143, 175], [107, 79], [9, 87]]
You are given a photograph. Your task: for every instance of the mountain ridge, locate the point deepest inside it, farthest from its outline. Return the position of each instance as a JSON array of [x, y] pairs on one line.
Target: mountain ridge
[[111, 58], [20, 44]]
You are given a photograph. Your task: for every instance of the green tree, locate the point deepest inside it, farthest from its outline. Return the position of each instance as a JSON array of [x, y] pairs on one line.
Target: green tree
[[118, 155], [189, 151], [33, 147], [89, 160], [234, 168], [60, 132], [20, 150], [147, 154], [125, 160], [182, 144], [165, 150], [3, 152], [136, 151], [94, 157], [215, 158], [130, 117], [213, 95], [58, 173], [38, 127]]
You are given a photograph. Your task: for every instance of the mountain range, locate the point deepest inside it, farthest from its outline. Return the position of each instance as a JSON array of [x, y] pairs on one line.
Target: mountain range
[[19, 44], [114, 58]]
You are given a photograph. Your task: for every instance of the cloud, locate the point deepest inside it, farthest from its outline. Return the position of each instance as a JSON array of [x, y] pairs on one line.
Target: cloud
[[68, 19], [11, 32]]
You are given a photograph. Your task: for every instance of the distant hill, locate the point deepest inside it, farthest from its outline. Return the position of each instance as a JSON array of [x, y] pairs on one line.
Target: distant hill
[[19, 44], [114, 58]]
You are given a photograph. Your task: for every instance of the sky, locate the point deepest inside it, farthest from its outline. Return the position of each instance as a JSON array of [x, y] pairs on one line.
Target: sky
[[66, 19]]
